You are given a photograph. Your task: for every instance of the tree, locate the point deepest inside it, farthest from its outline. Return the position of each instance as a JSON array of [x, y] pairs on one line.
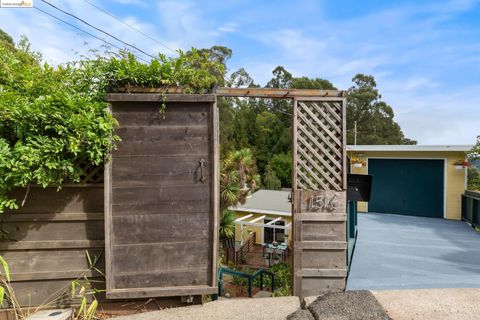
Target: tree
[[6, 38], [238, 177], [309, 83], [213, 59], [374, 118], [271, 181], [227, 224], [473, 178], [240, 78], [475, 152], [281, 164], [271, 137]]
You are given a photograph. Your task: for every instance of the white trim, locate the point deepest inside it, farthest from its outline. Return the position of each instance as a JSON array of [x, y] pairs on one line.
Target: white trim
[[262, 225], [244, 217], [268, 224], [257, 219], [273, 221], [272, 225], [445, 175], [411, 148], [272, 212]]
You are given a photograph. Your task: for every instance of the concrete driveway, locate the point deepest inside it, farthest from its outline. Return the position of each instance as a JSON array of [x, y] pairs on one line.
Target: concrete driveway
[[402, 252]]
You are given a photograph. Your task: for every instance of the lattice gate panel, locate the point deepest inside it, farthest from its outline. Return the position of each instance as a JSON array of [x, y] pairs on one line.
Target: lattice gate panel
[[319, 197], [320, 145]]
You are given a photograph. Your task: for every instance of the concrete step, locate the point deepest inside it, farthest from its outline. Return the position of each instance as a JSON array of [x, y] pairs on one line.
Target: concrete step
[[262, 294], [231, 309]]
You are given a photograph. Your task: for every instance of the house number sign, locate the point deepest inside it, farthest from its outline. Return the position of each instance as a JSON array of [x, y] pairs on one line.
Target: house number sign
[[322, 203]]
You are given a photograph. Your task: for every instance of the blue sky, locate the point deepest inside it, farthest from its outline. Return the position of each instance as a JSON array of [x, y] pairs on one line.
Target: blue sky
[[425, 55]]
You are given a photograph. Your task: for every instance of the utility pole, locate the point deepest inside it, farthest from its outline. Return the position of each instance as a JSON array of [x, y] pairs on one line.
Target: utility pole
[[355, 133]]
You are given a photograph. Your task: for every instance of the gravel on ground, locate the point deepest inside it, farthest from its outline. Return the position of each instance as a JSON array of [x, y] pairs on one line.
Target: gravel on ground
[[302, 314], [228, 309], [349, 305], [431, 304]]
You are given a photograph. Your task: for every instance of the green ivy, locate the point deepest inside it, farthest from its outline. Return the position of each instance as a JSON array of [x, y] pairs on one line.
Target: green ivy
[[53, 118]]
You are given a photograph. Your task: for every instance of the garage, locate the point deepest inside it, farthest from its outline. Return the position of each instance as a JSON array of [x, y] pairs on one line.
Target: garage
[[413, 187], [412, 180]]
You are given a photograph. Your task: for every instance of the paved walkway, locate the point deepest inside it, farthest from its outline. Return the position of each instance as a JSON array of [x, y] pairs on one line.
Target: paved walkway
[[227, 309], [431, 304], [402, 252]]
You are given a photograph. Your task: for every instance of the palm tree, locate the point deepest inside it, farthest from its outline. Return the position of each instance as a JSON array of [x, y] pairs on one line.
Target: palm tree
[[227, 224], [238, 177], [242, 160]]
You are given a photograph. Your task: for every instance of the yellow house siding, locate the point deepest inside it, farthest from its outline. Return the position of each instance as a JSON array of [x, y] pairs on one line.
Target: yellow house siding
[[454, 178], [257, 229]]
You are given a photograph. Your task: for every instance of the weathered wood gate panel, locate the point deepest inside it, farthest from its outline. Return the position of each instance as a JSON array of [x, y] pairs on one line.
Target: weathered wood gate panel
[[161, 197], [319, 206], [47, 239]]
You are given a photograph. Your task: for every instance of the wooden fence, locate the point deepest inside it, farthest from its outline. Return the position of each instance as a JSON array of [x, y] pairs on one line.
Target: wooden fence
[[47, 240]]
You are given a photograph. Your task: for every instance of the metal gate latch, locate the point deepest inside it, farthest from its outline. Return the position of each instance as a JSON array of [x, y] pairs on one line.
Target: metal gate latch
[[202, 177]]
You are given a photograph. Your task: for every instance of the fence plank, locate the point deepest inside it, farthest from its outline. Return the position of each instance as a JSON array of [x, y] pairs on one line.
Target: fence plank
[[162, 216], [48, 240]]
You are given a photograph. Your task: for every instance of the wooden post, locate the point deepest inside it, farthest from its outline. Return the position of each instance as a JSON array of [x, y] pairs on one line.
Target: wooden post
[[319, 196]]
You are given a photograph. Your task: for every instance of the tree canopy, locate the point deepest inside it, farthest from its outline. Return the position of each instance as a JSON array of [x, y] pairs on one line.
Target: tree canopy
[[53, 117], [374, 117]]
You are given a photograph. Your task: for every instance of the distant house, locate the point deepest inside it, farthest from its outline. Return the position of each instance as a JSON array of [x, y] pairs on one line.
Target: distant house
[[266, 212], [413, 180]]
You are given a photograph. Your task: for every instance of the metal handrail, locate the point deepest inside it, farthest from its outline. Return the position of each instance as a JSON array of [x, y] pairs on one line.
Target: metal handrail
[[471, 207], [249, 277]]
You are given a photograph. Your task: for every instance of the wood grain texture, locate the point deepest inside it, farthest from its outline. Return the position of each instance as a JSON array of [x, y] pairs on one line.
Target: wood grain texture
[[277, 93], [140, 97], [162, 213], [136, 293], [319, 208], [49, 237], [69, 199]]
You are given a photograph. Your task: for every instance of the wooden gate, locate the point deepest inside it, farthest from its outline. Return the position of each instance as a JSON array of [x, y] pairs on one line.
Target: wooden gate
[[161, 190], [319, 206]]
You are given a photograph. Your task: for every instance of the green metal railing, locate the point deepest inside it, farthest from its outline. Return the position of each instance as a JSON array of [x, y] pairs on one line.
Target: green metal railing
[[471, 207], [352, 220], [250, 279]]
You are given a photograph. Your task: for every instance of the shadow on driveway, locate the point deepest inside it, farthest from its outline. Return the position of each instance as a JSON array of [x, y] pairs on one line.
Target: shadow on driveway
[[403, 252]]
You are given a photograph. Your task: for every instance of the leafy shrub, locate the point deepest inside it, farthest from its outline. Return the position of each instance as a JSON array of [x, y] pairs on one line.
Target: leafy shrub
[[227, 224], [48, 123], [53, 118], [283, 279]]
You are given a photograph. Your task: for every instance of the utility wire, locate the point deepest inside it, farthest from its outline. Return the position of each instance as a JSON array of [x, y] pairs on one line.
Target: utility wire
[[86, 32], [129, 25], [98, 29]]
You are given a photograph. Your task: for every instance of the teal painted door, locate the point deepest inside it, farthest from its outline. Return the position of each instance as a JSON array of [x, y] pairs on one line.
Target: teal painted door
[[407, 187]]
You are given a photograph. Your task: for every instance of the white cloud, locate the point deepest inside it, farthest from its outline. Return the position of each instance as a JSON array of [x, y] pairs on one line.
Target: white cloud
[[426, 65], [228, 27], [418, 59]]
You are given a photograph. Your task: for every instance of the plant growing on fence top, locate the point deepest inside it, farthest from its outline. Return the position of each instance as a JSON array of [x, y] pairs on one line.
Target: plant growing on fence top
[[53, 118]]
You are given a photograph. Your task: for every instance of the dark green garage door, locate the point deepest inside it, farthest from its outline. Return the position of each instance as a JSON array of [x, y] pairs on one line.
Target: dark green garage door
[[407, 187]]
